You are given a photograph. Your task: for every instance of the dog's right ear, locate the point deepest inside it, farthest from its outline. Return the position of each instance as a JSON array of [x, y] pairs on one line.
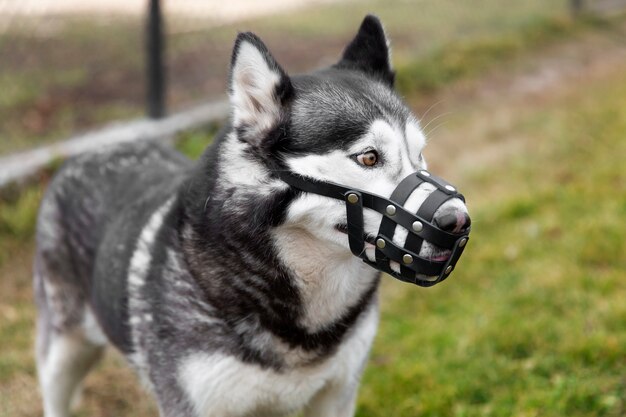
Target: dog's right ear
[[259, 88]]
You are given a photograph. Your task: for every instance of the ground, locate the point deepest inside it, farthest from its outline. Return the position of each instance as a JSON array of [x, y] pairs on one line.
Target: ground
[[533, 322]]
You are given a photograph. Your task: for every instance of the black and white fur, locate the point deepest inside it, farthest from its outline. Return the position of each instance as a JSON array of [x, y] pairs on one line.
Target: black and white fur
[[230, 293]]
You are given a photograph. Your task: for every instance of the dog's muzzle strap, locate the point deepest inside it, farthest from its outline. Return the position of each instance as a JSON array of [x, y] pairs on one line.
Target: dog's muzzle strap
[[354, 213], [420, 225]]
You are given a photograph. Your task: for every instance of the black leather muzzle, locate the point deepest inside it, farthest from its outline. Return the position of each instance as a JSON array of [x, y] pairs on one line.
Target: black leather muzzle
[[420, 226]]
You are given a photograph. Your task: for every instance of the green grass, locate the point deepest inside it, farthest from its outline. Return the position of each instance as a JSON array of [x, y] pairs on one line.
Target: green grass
[[193, 143], [462, 58], [18, 211], [533, 322]]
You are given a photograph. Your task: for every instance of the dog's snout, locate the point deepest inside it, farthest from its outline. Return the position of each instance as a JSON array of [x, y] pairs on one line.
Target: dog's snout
[[454, 222]]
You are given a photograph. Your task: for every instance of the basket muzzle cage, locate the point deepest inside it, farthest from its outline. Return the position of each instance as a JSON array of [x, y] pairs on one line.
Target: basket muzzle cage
[[420, 225]]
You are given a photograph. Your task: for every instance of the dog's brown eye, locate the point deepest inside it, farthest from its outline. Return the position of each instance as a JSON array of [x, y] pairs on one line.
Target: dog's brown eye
[[369, 158]]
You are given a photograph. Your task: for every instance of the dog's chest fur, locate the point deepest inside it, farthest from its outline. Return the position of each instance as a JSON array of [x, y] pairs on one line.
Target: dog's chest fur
[[219, 384]]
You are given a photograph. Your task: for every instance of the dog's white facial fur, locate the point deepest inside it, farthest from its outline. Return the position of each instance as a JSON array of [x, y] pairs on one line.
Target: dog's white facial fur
[[400, 149], [319, 214]]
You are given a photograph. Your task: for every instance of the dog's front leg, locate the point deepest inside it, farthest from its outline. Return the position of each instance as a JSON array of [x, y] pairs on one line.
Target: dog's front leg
[[333, 401]]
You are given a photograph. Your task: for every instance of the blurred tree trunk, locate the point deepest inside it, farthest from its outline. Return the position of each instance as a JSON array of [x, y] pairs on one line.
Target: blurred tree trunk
[[577, 7]]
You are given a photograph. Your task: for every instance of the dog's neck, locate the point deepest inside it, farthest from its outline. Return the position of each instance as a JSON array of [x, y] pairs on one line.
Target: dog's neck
[[311, 293], [329, 278]]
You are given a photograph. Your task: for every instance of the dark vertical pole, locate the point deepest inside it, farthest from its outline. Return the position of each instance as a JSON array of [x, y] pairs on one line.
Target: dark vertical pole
[[576, 7], [154, 61]]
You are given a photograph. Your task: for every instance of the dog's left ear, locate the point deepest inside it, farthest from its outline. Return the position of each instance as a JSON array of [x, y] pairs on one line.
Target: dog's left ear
[[259, 89], [369, 51]]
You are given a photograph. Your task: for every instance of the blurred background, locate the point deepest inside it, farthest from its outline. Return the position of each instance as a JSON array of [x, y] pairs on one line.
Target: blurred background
[[524, 106]]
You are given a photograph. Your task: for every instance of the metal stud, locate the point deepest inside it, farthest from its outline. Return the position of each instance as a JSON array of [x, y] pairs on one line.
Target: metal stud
[[425, 173], [417, 226], [391, 209], [380, 243], [448, 269], [462, 242], [450, 188], [353, 198], [407, 259]]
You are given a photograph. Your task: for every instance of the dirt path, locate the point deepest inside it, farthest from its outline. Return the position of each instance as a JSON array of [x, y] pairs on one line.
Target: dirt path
[[455, 122]]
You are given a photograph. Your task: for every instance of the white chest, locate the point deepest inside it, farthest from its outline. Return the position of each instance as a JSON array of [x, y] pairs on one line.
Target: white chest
[[220, 385]]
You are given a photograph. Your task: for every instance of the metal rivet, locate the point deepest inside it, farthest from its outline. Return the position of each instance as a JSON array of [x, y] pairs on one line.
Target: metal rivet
[[450, 188], [425, 173], [407, 259], [448, 269], [418, 226], [353, 198], [391, 209], [462, 242], [380, 243]]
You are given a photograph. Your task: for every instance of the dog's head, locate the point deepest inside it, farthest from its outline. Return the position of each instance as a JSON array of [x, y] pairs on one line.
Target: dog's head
[[343, 124]]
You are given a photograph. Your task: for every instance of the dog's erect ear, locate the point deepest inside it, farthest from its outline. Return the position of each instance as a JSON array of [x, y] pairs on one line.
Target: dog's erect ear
[[369, 51], [259, 88]]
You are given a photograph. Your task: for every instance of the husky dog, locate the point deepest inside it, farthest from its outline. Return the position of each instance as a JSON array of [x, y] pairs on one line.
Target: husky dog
[[230, 292]]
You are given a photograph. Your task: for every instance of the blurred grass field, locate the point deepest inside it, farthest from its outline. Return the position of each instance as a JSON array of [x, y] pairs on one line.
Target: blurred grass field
[[533, 322], [63, 75]]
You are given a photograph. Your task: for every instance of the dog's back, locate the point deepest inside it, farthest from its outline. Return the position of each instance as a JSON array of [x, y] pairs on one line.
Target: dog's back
[[86, 205]]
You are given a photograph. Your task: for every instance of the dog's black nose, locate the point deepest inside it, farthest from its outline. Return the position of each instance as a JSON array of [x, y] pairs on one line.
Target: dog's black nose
[[456, 222]]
